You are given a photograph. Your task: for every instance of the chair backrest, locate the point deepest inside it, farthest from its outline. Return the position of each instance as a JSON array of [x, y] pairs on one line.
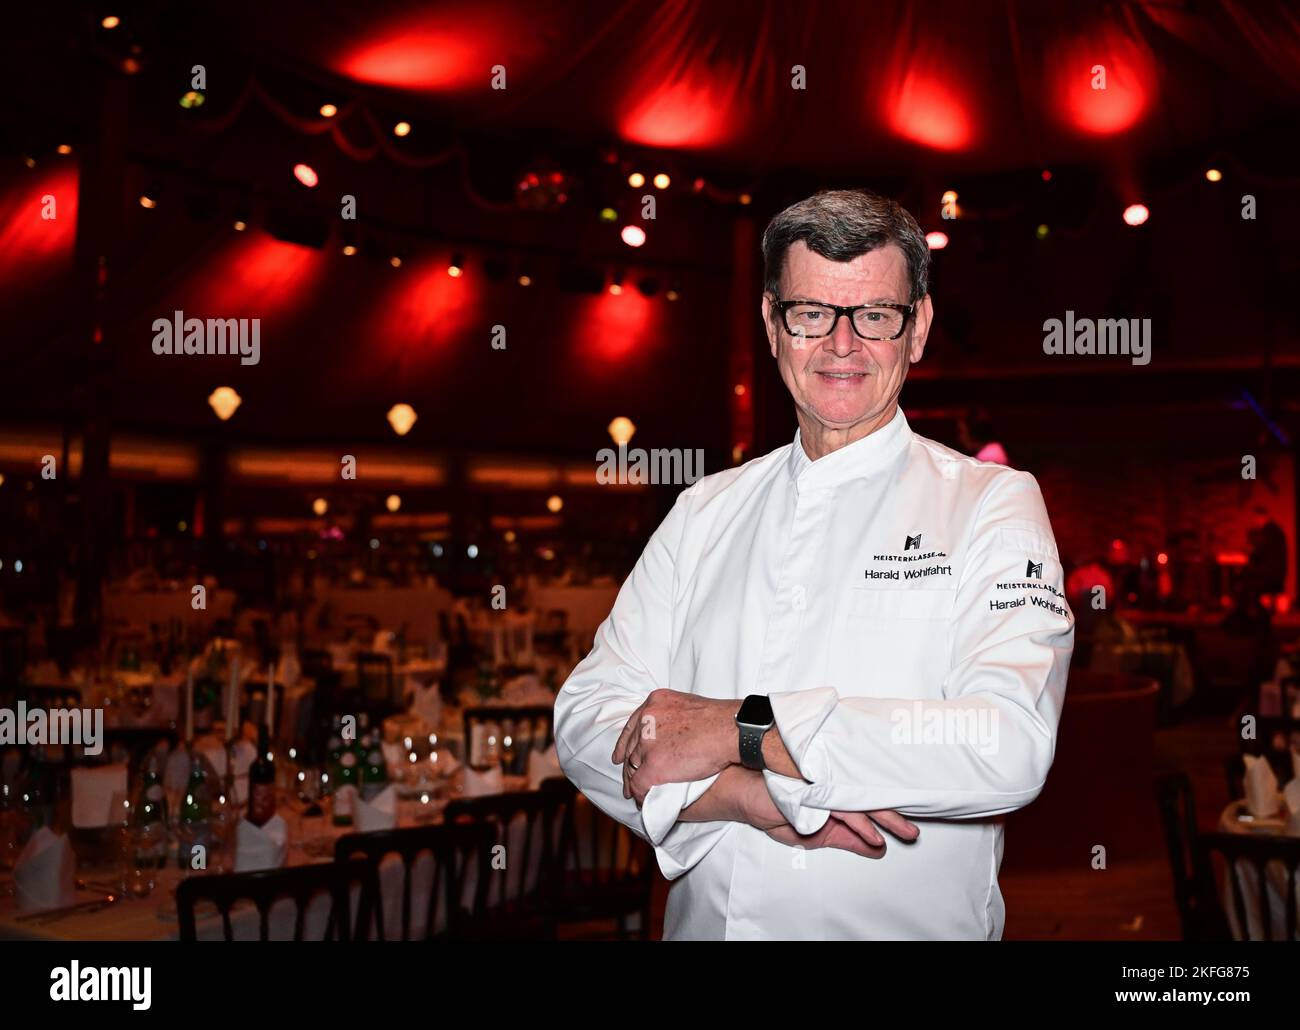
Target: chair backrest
[[1237, 849], [460, 853], [1198, 908], [595, 850], [301, 884], [527, 824]]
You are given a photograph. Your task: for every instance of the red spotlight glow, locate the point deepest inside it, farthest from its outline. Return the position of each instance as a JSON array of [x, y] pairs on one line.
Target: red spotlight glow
[[633, 235], [447, 50], [1136, 214], [927, 110], [31, 245], [1129, 76], [936, 240], [697, 109], [306, 175]]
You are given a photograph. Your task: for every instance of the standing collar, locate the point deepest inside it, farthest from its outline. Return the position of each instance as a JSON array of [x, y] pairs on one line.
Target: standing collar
[[860, 458]]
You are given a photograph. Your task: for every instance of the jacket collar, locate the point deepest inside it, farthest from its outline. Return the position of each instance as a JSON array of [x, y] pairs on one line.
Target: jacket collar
[[858, 459]]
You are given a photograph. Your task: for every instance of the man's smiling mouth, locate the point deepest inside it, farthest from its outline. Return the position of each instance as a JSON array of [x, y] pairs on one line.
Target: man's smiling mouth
[[843, 375]]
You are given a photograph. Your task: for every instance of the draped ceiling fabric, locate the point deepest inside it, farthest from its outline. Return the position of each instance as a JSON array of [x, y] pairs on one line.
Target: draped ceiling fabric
[[908, 97]]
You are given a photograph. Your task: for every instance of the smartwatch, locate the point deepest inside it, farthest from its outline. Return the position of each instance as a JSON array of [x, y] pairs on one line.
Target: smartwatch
[[754, 720]]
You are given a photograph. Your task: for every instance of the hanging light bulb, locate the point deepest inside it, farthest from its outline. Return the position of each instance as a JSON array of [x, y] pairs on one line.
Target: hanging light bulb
[[621, 430], [401, 417], [224, 402], [320, 506], [392, 502]]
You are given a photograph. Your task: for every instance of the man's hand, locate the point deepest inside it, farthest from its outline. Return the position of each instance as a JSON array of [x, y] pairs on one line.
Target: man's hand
[[741, 795], [849, 831], [676, 737]]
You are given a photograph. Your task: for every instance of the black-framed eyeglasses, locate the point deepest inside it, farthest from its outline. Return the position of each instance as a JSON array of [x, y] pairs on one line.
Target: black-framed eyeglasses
[[811, 320]]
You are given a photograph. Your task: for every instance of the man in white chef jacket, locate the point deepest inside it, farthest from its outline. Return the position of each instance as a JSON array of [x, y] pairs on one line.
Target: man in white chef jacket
[[834, 666]]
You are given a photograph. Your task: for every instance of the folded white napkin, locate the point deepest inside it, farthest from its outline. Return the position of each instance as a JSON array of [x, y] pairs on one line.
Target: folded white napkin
[[447, 763], [261, 847], [176, 773], [1261, 787], [543, 765], [99, 796], [524, 690], [396, 757], [478, 784], [380, 813], [214, 751], [426, 702], [45, 875], [1291, 797]]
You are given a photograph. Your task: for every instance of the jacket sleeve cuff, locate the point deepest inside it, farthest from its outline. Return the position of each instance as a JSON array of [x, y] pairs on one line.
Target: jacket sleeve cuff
[[799, 715], [679, 846]]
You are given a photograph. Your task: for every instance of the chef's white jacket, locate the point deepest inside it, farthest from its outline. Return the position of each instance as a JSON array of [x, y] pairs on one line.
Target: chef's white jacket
[[902, 606]]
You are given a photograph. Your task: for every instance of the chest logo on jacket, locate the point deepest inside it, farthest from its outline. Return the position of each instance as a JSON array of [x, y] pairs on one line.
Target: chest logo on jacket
[[912, 542], [1034, 569]]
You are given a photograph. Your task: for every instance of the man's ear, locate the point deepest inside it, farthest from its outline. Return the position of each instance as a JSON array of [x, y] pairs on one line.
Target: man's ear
[[768, 325], [920, 328]]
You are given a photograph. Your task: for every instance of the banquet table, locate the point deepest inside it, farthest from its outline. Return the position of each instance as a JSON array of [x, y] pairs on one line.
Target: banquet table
[[1236, 818], [310, 840]]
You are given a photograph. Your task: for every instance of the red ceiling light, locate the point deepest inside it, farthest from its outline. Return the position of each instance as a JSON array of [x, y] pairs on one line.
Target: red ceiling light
[[936, 240], [926, 109], [1129, 80], [306, 175], [1136, 214], [633, 235]]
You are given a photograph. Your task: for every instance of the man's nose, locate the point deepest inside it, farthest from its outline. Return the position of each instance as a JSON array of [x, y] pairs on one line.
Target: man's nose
[[843, 341]]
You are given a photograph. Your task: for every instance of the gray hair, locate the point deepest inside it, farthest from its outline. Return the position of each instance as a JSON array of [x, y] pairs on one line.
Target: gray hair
[[841, 225]]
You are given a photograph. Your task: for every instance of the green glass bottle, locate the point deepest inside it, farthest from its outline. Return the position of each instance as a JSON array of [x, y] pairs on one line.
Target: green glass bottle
[[374, 776]]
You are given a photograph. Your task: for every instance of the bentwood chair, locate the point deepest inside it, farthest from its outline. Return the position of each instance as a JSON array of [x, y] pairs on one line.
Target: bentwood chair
[[445, 872], [1244, 853], [300, 884], [1199, 910], [526, 833], [604, 871]]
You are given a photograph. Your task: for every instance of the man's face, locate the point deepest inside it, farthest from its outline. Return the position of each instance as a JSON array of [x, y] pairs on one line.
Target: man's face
[[842, 381]]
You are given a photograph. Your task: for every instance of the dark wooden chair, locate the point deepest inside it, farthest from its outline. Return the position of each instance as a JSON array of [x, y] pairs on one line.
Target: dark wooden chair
[[527, 827], [300, 883], [1199, 910], [460, 867], [604, 871], [1237, 849], [1234, 774]]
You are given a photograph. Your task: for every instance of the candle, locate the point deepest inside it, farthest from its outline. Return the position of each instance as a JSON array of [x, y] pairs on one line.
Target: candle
[[189, 705], [270, 700]]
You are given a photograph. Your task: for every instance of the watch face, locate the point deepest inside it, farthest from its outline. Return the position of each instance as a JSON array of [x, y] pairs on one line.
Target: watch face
[[756, 711]]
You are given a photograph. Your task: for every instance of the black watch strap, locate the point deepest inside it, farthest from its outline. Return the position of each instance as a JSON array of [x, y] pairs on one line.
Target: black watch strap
[[751, 746]]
